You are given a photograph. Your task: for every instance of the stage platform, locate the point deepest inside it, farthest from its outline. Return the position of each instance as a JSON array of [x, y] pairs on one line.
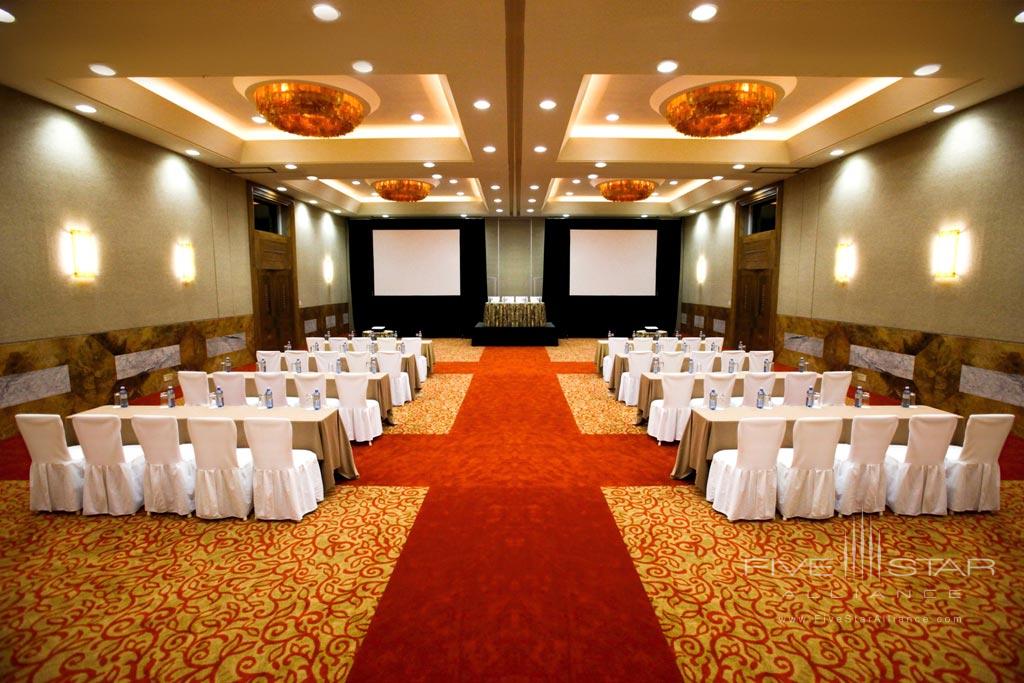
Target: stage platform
[[514, 336]]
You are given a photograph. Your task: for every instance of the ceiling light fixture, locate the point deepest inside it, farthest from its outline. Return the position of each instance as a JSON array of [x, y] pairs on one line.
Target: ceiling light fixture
[[591, 176], [325, 12], [771, 119], [1019, 18], [716, 201], [460, 193], [482, 105], [722, 109], [739, 167], [667, 66], [313, 202], [534, 187], [402, 189], [944, 109], [611, 118], [540, 149], [362, 66], [309, 109], [291, 167], [643, 215], [600, 164], [337, 211], [673, 182], [429, 164], [748, 188], [499, 210], [575, 181], [548, 105], [462, 215], [282, 188], [531, 200], [837, 152], [565, 215], [85, 108], [416, 117], [312, 177], [705, 12], [626, 189], [436, 176], [356, 182], [192, 152], [258, 119], [495, 187], [717, 177], [569, 194], [490, 149], [102, 70], [529, 211], [927, 69], [497, 200], [691, 211], [6, 17], [384, 215], [453, 181]]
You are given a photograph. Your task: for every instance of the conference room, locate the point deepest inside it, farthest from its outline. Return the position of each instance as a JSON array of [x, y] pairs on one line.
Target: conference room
[[521, 340]]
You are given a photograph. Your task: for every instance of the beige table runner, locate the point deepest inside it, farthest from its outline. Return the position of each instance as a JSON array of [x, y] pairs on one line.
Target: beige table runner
[[377, 389], [650, 390]]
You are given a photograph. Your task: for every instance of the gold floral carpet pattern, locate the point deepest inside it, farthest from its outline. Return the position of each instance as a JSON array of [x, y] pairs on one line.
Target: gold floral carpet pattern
[[171, 598], [435, 408], [572, 351], [595, 409], [456, 351], [940, 598]]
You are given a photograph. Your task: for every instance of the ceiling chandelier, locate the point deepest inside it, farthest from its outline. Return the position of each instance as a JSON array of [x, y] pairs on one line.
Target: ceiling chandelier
[[626, 190], [720, 109], [402, 189], [309, 109]]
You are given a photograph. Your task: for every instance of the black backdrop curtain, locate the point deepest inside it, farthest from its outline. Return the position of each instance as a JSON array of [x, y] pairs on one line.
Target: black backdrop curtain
[[593, 316], [435, 316]]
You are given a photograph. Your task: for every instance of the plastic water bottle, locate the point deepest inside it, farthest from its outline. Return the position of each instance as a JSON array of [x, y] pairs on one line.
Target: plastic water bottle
[[858, 397], [316, 346], [732, 365], [263, 364], [298, 366], [905, 402], [337, 365], [809, 402], [419, 333], [702, 335], [170, 396], [767, 364], [268, 398], [227, 365], [760, 399], [713, 400], [122, 397], [288, 345], [803, 364], [610, 335], [689, 364], [351, 335], [316, 399], [742, 346], [219, 393], [374, 367], [656, 365]]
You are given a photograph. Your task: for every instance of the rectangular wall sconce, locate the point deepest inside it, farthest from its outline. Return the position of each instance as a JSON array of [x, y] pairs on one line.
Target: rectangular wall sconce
[[846, 262], [328, 270], [80, 254], [184, 262], [702, 269], [947, 255]]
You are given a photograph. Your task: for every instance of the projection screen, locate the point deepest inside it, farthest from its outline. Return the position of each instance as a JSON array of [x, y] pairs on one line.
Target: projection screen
[[613, 262], [416, 263]]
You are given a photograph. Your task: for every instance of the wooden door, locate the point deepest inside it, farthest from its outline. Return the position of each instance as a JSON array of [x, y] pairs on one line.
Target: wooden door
[[755, 273], [277, 309], [274, 285], [753, 308]]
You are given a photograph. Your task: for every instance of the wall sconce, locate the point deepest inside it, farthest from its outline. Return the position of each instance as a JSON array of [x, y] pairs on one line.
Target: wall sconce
[[328, 270], [949, 255], [184, 262], [846, 262], [80, 254], [702, 269]]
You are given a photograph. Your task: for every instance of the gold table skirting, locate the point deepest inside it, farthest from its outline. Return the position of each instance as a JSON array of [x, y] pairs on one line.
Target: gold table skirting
[[515, 315]]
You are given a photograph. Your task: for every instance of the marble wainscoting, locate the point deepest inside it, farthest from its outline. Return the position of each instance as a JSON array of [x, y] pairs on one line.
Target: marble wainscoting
[[333, 318], [712, 320], [65, 375], [965, 375]]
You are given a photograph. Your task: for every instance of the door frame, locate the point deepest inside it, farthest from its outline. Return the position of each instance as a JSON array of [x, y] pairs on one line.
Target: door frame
[[253, 190]]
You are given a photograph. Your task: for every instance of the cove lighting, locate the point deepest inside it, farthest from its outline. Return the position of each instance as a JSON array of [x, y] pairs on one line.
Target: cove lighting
[[328, 270], [79, 254], [702, 269], [184, 262], [846, 262]]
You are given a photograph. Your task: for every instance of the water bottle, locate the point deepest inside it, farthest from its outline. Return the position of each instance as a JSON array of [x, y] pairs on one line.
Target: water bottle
[[170, 396], [219, 393], [767, 364], [713, 400], [742, 346], [689, 364], [732, 365], [419, 334], [374, 367], [316, 399], [327, 336], [263, 364], [298, 366], [401, 347], [905, 402], [610, 335], [702, 335], [316, 346], [657, 345], [121, 397], [809, 402], [679, 335], [351, 335], [337, 365], [803, 364], [268, 398], [760, 399], [858, 397], [656, 365], [288, 345]]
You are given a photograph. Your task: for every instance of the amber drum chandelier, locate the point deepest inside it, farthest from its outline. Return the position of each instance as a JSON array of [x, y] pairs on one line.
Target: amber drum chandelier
[[309, 109], [720, 109], [626, 189], [402, 189]]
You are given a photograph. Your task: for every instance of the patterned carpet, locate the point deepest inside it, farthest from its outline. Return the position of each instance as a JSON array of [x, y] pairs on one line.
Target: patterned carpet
[[456, 351], [595, 409], [435, 408], [752, 600], [572, 351], [169, 598]]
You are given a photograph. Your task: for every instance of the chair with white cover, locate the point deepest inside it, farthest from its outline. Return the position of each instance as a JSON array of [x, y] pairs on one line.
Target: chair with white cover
[[672, 361], [714, 344], [361, 344], [522, 299], [275, 381], [223, 470], [806, 482], [326, 361], [616, 347], [723, 384], [390, 362], [414, 345], [737, 358], [232, 384], [535, 299], [637, 362], [972, 470], [169, 482], [795, 386], [359, 415], [742, 482], [314, 344], [915, 474], [860, 465], [339, 344], [195, 387], [57, 472], [387, 343], [643, 343], [703, 361], [670, 414], [752, 382], [308, 382], [834, 386], [756, 361], [689, 344], [290, 357], [113, 471], [508, 299], [286, 482], [358, 361], [272, 358]]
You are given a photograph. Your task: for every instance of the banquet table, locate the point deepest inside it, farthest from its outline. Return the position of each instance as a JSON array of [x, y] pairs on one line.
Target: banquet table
[[515, 315], [710, 431], [377, 389], [602, 351], [650, 390], [621, 365], [408, 367], [320, 431], [428, 352]]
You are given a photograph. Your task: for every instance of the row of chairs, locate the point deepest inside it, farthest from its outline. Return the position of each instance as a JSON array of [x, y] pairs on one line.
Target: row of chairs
[[819, 476], [389, 360], [210, 476], [639, 362]]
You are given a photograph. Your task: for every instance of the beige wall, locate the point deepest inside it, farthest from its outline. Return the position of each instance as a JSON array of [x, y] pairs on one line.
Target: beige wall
[[711, 234], [318, 234], [890, 200], [515, 257], [59, 169]]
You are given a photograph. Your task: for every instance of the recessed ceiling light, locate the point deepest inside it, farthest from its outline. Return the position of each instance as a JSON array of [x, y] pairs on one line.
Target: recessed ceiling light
[[192, 152], [534, 187], [575, 181], [739, 167], [717, 201], [531, 200], [482, 105], [337, 211], [282, 188], [497, 200], [673, 182], [540, 149], [611, 118], [312, 177], [548, 105], [654, 194], [85, 108], [927, 69], [771, 119], [384, 215], [291, 167], [500, 210], [705, 12], [417, 117], [667, 66], [325, 12], [429, 164], [490, 149], [692, 211], [102, 70], [529, 211], [569, 194], [1019, 18], [313, 202], [356, 182], [643, 215], [462, 215], [748, 188], [460, 193], [717, 177], [374, 195], [362, 66], [837, 152], [453, 181], [565, 215], [258, 119], [943, 108], [591, 176], [600, 164], [495, 187], [6, 17], [437, 176]]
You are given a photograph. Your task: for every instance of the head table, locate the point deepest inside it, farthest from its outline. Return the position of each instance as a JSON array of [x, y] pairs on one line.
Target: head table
[[515, 315]]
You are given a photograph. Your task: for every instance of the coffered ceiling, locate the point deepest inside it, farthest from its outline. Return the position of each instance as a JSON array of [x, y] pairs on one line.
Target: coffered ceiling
[[184, 67]]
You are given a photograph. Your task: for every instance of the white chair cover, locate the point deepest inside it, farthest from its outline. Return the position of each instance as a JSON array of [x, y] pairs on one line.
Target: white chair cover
[[915, 474], [629, 384], [714, 344], [755, 360], [296, 355], [795, 388], [737, 357], [358, 361], [642, 343], [169, 483], [339, 344], [668, 416], [57, 472], [414, 345], [286, 483], [689, 344], [326, 361], [972, 471], [315, 344], [361, 344], [672, 361], [723, 384], [387, 344], [834, 386], [306, 383], [233, 386], [616, 347], [753, 381], [273, 359], [391, 363], [703, 361], [806, 482], [742, 481], [278, 385], [223, 471], [113, 472], [859, 465], [359, 415], [195, 387]]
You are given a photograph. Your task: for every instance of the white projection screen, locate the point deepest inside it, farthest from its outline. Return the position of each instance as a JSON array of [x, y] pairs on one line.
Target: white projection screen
[[416, 263], [613, 262]]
